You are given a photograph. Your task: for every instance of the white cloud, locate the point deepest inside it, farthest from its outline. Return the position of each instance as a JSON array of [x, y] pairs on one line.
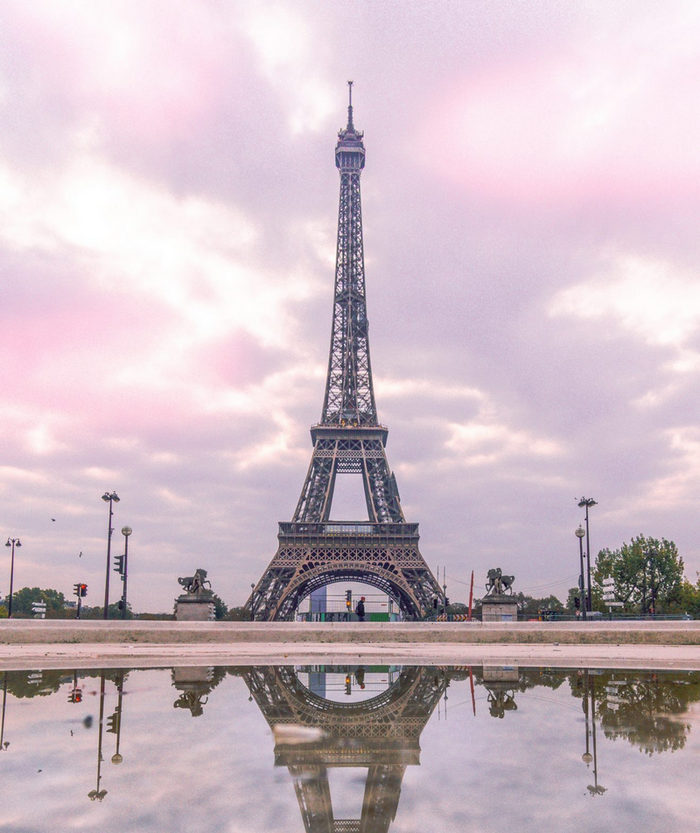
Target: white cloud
[[480, 443], [653, 299], [290, 55]]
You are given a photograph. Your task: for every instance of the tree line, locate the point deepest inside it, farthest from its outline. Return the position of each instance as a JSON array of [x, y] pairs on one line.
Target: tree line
[[647, 578]]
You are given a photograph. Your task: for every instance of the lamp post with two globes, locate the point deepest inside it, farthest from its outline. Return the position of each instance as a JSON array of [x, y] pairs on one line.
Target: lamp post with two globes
[[588, 502], [12, 542]]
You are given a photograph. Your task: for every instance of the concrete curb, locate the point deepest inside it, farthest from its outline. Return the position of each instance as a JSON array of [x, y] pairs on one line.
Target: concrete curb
[[26, 644]]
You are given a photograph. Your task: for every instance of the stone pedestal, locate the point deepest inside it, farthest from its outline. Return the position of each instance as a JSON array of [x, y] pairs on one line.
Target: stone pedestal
[[500, 674], [194, 608], [499, 608], [188, 676]]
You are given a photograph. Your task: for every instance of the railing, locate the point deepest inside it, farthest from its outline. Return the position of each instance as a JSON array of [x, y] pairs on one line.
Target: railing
[[345, 528]]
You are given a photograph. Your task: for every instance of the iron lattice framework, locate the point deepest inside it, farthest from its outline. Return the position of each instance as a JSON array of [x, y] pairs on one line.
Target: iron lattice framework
[[313, 550], [381, 734]]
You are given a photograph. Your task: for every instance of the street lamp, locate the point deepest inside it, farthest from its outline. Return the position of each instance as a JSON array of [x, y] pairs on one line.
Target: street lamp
[[126, 531], [108, 497], [588, 502], [580, 534], [12, 542]]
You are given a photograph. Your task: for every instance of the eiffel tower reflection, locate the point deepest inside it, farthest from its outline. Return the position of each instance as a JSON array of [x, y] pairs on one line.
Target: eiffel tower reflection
[[381, 733]]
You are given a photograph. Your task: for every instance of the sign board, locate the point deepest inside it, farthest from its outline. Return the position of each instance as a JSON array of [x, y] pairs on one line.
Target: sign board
[[608, 597], [614, 604], [608, 582]]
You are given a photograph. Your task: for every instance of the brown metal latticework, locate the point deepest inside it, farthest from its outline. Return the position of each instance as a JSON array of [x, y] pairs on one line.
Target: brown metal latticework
[[381, 734], [314, 551]]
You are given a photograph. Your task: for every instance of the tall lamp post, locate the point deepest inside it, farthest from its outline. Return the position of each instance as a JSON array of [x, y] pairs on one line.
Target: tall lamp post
[[108, 497], [126, 531], [12, 542], [581, 534], [588, 502]]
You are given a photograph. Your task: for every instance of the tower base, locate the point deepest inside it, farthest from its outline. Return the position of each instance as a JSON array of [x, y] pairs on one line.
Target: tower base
[[312, 555]]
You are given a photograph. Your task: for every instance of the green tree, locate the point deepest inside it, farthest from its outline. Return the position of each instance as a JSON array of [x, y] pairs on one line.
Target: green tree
[[648, 573], [529, 606], [220, 609], [113, 611], [689, 598], [22, 601]]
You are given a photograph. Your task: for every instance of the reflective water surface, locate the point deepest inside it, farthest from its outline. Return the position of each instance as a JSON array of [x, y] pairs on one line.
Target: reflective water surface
[[366, 749]]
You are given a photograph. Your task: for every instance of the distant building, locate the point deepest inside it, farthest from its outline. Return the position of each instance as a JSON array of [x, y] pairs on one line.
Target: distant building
[[318, 600]]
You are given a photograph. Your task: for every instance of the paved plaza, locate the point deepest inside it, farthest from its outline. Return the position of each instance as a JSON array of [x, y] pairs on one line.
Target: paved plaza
[[71, 644]]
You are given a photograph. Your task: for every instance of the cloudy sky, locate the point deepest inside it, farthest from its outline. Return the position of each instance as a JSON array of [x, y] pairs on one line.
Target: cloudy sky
[[168, 206]]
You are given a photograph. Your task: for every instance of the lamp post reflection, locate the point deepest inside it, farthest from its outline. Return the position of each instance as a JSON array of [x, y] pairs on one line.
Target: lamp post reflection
[[97, 793], [589, 699], [116, 720], [3, 743]]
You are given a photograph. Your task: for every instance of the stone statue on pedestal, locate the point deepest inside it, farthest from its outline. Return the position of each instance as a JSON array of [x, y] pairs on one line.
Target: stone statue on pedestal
[[196, 603], [498, 583], [196, 584], [499, 605]]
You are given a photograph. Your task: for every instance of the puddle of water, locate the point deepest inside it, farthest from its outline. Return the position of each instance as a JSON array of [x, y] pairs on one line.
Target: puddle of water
[[366, 749]]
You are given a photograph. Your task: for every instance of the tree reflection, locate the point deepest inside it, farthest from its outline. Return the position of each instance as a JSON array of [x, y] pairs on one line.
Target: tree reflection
[[647, 708], [373, 717]]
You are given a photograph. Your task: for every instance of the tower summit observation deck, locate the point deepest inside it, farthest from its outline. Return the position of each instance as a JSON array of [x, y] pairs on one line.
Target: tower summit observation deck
[[382, 550]]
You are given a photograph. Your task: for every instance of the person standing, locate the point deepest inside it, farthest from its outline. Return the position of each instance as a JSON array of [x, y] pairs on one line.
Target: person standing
[[360, 609]]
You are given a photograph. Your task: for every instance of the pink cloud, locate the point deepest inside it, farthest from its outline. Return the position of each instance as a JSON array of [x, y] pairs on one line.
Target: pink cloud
[[152, 68], [574, 125]]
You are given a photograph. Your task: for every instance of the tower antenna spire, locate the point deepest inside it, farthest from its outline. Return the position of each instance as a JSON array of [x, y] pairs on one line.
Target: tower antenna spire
[[350, 124]]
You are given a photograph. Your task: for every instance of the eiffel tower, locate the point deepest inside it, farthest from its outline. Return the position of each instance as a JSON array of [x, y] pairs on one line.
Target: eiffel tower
[[381, 734], [313, 550]]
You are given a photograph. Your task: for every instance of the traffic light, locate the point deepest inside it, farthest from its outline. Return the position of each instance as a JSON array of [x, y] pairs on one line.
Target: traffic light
[[113, 722], [348, 686], [348, 599], [76, 589], [119, 564], [83, 590], [76, 696], [120, 604], [577, 603]]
